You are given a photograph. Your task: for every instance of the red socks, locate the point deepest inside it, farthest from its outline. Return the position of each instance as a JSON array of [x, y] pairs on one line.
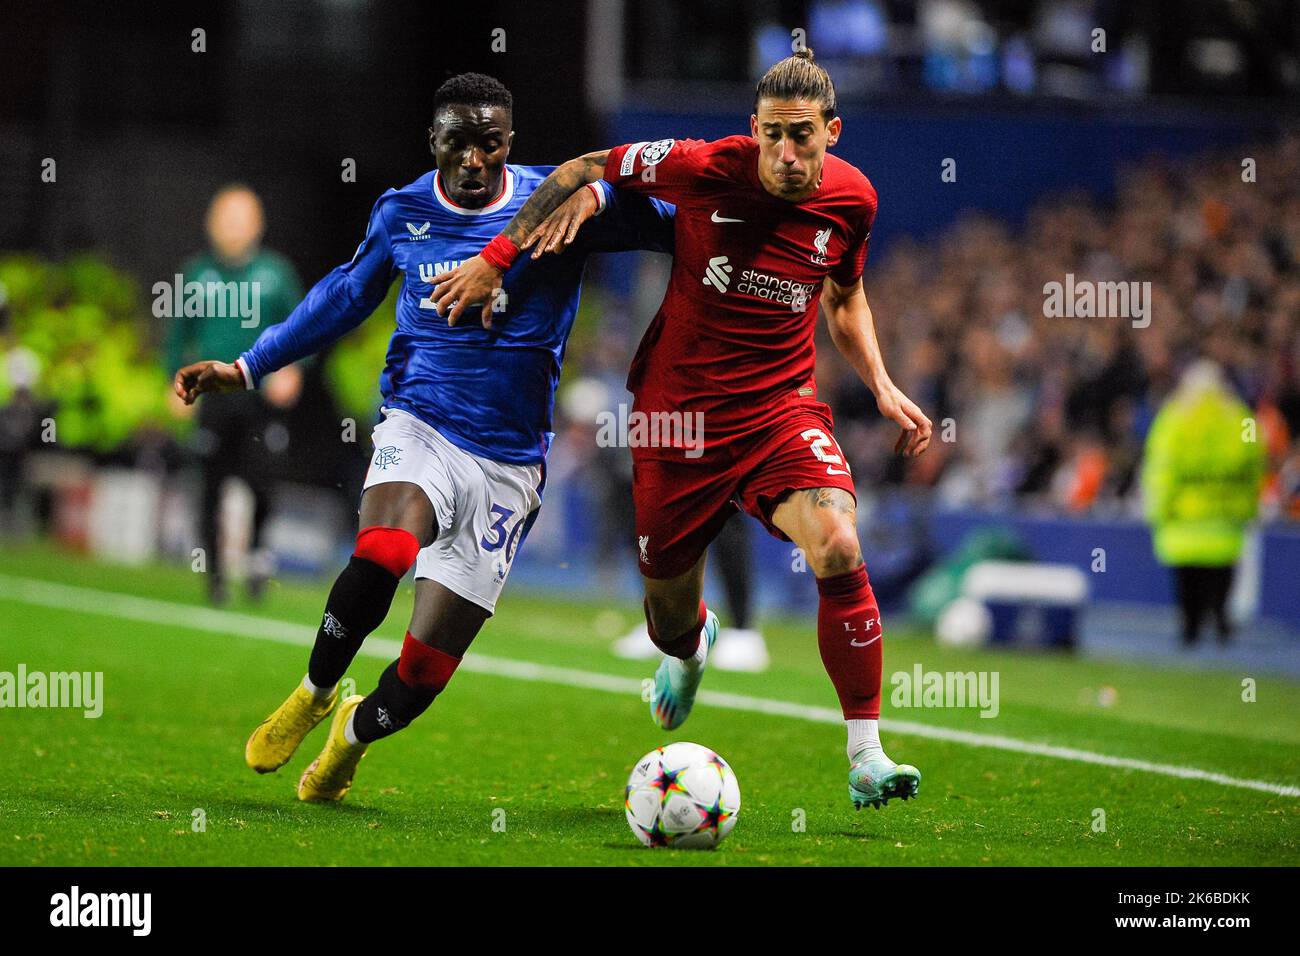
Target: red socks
[[425, 667], [406, 689], [683, 645], [849, 638], [392, 549]]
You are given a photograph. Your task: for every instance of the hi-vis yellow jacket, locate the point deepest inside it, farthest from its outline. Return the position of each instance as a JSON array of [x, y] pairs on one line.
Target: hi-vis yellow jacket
[[1201, 479]]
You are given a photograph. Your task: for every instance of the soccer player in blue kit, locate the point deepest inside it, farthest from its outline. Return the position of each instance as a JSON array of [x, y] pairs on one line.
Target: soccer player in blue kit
[[457, 472]]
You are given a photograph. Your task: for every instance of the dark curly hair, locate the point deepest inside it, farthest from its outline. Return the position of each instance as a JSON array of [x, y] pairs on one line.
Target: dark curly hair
[[472, 89]]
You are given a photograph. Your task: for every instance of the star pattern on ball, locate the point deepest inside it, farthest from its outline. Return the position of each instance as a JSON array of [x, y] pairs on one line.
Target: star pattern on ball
[[711, 818], [655, 834], [667, 783]]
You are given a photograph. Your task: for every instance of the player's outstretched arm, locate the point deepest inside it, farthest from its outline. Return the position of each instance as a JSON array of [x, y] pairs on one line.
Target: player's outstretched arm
[[477, 279], [565, 180], [208, 376], [853, 330], [558, 230], [334, 306], [631, 222]]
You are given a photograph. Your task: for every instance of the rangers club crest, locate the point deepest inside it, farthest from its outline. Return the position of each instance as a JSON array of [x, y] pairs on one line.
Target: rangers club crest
[[333, 627], [388, 455]]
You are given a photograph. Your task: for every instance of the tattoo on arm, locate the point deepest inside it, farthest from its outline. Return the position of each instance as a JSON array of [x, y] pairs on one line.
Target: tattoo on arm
[[564, 181]]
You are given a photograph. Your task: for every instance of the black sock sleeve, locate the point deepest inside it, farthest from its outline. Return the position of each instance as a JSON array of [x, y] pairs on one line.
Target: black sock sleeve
[[358, 603], [390, 707]]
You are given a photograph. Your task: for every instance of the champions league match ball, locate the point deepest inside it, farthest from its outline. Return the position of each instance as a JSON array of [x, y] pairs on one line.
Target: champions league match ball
[[683, 796]]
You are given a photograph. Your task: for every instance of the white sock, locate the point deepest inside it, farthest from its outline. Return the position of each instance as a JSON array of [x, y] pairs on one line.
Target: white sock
[[320, 693], [696, 661], [349, 734], [864, 739]]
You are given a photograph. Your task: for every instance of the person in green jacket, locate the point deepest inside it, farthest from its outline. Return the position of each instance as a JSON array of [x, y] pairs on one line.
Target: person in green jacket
[[1201, 478], [230, 437]]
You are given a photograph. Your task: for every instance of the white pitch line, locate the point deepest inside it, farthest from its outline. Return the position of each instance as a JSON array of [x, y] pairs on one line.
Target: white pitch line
[[187, 616]]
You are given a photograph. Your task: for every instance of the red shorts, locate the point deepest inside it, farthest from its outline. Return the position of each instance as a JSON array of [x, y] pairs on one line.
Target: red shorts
[[682, 502]]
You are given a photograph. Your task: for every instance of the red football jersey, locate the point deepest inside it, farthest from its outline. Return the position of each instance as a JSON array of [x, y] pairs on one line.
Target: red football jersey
[[733, 337]]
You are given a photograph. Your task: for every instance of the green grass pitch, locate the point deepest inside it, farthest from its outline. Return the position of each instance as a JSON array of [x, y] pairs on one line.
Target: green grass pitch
[[179, 703]]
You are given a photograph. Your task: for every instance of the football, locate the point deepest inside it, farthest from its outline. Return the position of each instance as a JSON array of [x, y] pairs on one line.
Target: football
[[965, 622], [683, 796]]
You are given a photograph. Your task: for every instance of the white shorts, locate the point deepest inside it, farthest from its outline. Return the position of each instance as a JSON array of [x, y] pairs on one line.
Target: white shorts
[[482, 508]]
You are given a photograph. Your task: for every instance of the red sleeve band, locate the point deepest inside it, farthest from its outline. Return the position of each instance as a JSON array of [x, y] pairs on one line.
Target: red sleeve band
[[423, 666], [500, 253]]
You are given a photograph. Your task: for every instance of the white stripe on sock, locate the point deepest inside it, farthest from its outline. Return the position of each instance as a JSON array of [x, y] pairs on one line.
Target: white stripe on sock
[[320, 693], [349, 734]]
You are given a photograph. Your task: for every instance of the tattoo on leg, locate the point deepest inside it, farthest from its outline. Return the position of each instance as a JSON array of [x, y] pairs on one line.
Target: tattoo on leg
[[836, 499]]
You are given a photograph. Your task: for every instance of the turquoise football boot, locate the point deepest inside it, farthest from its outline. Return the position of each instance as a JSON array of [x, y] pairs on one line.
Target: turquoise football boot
[[876, 780], [676, 684]]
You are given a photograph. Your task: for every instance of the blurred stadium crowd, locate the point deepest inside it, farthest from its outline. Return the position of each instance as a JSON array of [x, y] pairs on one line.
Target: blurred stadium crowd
[[1046, 412], [1053, 411]]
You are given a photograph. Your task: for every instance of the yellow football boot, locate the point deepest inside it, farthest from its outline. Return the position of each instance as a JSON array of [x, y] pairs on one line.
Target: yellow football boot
[[329, 778], [277, 737]]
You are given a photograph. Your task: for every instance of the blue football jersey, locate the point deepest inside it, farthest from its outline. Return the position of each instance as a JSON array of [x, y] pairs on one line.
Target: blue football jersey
[[488, 391]]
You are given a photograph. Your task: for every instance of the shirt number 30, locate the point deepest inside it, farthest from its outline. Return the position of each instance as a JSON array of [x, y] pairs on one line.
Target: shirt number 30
[[501, 535]]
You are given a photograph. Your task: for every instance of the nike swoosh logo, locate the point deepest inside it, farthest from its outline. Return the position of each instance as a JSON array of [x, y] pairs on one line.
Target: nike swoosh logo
[[865, 643], [716, 218]]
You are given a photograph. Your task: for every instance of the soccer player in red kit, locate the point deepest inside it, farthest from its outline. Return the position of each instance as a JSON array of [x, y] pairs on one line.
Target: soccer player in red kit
[[768, 227]]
